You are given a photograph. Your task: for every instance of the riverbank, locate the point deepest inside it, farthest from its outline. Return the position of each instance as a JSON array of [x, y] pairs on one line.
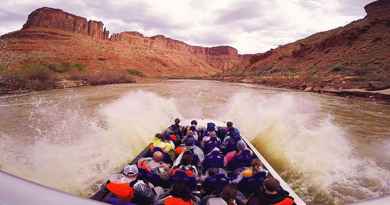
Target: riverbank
[[380, 95], [62, 84], [377, 95]]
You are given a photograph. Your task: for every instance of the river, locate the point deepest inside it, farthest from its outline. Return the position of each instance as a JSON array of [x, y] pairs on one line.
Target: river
[[331, 150]]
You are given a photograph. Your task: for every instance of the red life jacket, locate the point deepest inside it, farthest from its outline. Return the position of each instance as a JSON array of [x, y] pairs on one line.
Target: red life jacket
[[286, 201], [170, 200]]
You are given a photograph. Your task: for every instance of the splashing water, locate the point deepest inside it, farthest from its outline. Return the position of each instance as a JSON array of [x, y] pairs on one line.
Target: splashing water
[[72, 152], [309, 148]]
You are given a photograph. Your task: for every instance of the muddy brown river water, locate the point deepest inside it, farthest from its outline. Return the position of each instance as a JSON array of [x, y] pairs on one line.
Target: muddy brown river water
[[331, 150]]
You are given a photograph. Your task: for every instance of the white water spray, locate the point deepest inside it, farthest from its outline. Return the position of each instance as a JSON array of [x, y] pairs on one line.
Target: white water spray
[[291, 132]]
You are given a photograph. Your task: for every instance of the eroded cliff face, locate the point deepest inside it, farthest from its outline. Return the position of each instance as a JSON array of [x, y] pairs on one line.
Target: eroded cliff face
[[354, 56], [57, 19]]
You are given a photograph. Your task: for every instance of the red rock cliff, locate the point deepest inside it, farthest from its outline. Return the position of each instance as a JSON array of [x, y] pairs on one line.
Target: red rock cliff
[[58, 19], [378, 10]]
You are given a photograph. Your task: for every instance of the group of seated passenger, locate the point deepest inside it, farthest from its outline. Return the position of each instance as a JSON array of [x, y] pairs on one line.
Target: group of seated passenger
[[192, 165]]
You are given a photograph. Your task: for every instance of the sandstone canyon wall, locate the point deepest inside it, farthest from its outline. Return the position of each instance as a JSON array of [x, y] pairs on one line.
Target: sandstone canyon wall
[[354, 56]]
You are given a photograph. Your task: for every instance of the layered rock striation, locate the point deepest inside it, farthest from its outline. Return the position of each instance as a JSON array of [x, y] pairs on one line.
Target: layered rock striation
[[57, 19]]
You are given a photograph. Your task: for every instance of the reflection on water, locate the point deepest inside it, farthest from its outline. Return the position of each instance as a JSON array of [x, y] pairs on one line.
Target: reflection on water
[[330, 149]]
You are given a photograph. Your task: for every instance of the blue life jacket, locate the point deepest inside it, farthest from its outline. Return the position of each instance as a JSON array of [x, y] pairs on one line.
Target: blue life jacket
[[211, 144], [241, 160], [229, 145], [248, 185], [215, 183], [181, 176], [215, 159], [116, 201]]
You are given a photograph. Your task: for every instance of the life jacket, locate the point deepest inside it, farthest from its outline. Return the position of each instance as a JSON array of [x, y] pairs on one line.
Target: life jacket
[[180, 175], [215, 183], [170, 200], [214, 159], [248, 185], [286, 201], [240, 160], [211, 144], [229, 144], [121, 190]]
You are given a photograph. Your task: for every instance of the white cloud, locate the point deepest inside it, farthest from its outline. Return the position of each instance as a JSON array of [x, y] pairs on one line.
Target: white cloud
[[250, 26]]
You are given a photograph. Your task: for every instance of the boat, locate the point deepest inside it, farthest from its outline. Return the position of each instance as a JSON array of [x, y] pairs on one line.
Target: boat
[[103, 195]]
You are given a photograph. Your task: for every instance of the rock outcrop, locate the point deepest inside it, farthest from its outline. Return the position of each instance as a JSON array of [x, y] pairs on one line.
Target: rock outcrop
[[57, 19], [378, 10], [353, 56]]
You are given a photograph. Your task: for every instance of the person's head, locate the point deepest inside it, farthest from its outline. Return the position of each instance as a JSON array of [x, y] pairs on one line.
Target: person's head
[[158, 135], [247, 173], [213, 134], [194, 123], [187, 158], [190, 132], [229, 124], [213, 171], [241, 146], [271, 185], [190, 141], [177, 121], [181, 190], [256, 164], [158, 156], [229, 193], [143, 194], [131, 171]]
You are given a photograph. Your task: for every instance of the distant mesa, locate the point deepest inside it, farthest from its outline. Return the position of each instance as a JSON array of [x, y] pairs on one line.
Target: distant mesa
[[58, 19]]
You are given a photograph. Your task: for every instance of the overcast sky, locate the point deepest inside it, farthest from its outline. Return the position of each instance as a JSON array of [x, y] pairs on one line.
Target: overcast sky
[[249, 25]]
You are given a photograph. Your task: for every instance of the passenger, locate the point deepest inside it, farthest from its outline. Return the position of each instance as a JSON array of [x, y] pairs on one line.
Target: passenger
[[188, 164], [232, 131], [210, 142], [144, 194], [271, 193], [154, 164], [229, 144], [176, 128], [240, 158], [227, 197], [181, 194], [162, 142], [250, 178], [214, 182], [190, 133], [122, 192], [213, 159], [120, 185], [190, 145]]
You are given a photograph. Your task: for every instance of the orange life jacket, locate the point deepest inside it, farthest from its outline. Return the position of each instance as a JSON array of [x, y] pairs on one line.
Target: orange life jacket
[[286, 201], [122, 191], [170, 200]]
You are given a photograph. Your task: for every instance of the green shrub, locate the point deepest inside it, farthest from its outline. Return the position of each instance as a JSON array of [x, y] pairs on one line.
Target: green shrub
[[135, 72], [3, 68], [337, 68], [79, 67], [66, 67], [35, 72]]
